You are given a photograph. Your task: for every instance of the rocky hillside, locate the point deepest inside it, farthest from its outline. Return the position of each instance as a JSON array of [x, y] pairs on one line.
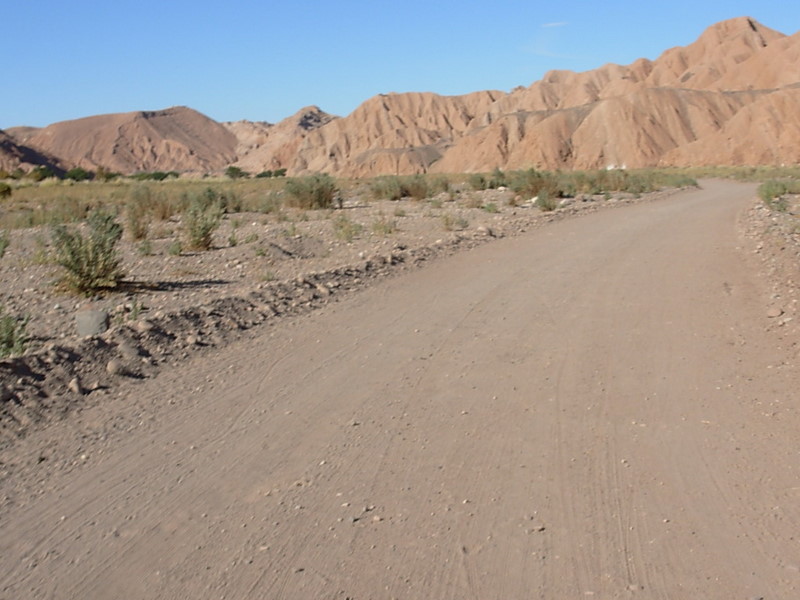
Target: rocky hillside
[[732, 97]]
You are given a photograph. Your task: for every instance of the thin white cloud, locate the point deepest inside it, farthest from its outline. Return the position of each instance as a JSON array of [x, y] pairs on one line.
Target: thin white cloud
[[558, 24]]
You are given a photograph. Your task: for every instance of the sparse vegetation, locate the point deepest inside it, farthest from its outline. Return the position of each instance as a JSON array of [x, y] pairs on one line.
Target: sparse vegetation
[[91, 262], [5, 190], [772, 193], [13, 336], [545, 202], [201, 220], [236, 173], [78, 174], [384, 226], [346, 229], [452, 222], [394, 187], [311, 192]]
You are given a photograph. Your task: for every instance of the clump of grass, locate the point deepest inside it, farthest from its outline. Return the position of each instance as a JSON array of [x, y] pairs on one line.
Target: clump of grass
[[772, 193], [384, 226], [13, 336], [490, 207], [253, 237], [454, 222], [5, 190], [146, 248], [345, 229], [175, 248], [311, 192], [5, 242], [546, 202], [91, 262]]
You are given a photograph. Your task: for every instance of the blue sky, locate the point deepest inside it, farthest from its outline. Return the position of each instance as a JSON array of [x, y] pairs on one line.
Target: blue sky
[[263, 61]]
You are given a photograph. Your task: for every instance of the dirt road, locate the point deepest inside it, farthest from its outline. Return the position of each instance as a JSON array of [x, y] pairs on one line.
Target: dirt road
[[593, 410]]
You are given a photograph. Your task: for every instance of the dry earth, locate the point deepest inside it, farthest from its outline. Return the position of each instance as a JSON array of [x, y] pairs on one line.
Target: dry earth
[[602, 407], [174, 306]]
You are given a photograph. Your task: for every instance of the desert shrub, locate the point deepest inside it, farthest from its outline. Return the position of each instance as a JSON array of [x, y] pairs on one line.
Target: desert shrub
[[545, 201], [388, 187], [771, 193], [5, 190], [78, 174], [91, 262], [497, 179], [394, 187], [384, 226], [175, 248], [279, 173], [416, 187], [454, 222], [264, 174], [13, 337], [201, 220], [137, 220], [40, 173], [490, 207], [104, 174], [345, 229], [155, 175], [531, 183], [146, 248], [438, 184], [236, 173], [311, 192], [477, 181]]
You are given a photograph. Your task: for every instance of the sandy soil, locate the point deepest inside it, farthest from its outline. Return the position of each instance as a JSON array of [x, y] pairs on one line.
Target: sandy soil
[[174, 306], [603, 407]]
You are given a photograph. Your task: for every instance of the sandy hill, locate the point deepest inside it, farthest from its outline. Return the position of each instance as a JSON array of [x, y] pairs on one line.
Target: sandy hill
[[178, 138], [731, 97], [16, 155]]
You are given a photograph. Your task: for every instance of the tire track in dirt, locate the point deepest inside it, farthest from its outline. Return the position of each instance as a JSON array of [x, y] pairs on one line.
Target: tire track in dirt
[[586, 411]]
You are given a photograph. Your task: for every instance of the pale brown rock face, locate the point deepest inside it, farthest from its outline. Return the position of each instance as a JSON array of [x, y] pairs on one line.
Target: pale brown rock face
[[730, 98]]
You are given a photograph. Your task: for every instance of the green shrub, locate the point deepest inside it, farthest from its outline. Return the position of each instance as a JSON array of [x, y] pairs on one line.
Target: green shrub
[[236, 173], [13, 337], [137, 220], [78, 174], [490, 207], [201, 221], [771, 191], [40, 173], [5, 190], [545, 201], [312, 192], [175, 248], [91, 262], [477, 181]]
